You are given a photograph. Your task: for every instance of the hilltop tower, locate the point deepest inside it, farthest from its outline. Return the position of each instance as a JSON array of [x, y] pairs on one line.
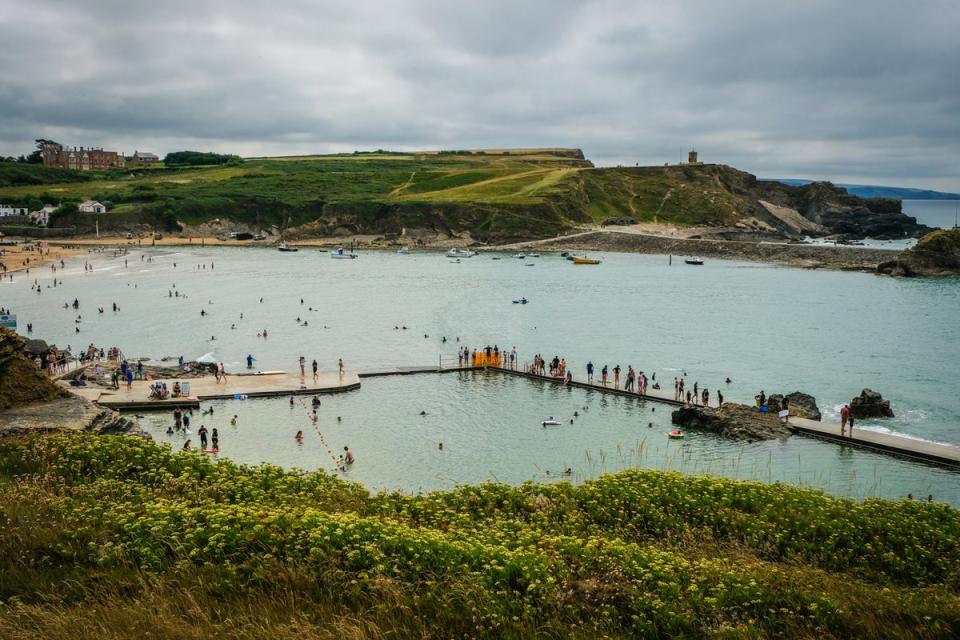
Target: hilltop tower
[[692, 157]]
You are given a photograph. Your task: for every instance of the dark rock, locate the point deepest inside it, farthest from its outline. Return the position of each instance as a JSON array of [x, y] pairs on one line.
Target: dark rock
[[735, 421], [623, 222], [936, 254], [799, 404], [870, 404]]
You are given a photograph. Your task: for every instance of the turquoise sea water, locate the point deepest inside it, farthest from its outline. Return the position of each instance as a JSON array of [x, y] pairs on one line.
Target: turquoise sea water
[[779, 329]]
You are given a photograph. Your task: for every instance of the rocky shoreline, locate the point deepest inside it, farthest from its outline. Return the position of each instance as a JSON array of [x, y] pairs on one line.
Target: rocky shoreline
[[806, 256]]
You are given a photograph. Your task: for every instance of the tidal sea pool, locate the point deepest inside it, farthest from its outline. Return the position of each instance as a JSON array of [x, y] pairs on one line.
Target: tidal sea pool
[[766, 327]]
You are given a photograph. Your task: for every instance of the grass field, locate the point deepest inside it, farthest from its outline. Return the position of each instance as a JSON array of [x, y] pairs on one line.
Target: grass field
[[498, 194], [115, 537]]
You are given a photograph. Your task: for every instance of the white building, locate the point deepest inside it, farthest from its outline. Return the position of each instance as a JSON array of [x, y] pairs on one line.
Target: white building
[[91, 206], [42, 216], [9, 210]]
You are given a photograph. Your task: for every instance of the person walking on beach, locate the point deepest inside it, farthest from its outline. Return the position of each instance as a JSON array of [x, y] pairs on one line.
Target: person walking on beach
[[303, 366], [221, 370], [315, 371]]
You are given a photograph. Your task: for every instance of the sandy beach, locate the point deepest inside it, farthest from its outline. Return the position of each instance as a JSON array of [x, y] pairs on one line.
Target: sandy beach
[[27, 254]]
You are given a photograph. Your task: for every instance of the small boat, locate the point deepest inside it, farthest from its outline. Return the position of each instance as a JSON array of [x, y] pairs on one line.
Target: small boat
[[584, 260], [534, 255], [565, 254], [339, 254], [457, 261], [675, 435], [521, 301], [461, 253], [694, 260], [285, 247], [550, 423], [529, 264], [519, 256], [495, 258]]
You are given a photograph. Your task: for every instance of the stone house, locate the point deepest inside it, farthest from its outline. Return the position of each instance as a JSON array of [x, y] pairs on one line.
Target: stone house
[[91, 206]]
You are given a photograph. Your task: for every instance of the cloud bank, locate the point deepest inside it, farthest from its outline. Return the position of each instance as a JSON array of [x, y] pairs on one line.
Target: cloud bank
[[855, 92]]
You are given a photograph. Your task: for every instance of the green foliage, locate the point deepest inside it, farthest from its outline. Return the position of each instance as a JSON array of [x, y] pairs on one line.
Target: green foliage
[[177, 158], [17, 173], [634, 554]]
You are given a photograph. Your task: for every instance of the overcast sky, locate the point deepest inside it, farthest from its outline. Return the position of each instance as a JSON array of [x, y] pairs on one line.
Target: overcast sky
[[851, 91]]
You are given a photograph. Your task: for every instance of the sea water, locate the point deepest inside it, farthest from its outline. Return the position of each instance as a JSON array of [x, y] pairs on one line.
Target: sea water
[[771, 328]]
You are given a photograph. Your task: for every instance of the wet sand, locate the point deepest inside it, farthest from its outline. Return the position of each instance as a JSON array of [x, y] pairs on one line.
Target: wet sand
[[20, 257]]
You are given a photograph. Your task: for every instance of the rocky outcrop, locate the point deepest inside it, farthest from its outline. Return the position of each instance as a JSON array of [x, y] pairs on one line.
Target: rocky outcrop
[[870, 404], [735, 421], [21, 381], [936, 254], [801, 405], [30, 401]]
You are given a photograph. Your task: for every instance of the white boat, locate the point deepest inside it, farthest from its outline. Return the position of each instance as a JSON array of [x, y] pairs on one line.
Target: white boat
[[520, 256], [339, 254], [285, 247], [461, 253], [694, 260]]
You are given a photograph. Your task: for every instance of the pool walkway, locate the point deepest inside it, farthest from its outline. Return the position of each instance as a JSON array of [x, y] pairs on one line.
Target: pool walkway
[[285, 384], [207, 388], [902, 446]]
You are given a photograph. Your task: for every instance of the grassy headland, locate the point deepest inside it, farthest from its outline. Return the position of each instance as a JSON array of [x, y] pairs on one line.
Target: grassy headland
[[492, 195], [111, 537]]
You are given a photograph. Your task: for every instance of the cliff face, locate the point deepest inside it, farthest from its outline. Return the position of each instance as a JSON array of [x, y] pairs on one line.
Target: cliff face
[[718, 195], [936, 254]]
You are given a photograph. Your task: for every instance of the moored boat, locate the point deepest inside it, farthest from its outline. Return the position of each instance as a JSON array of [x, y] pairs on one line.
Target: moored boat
[[283, 246], [584, 260], [694, 260], [339, 254], [461, 253]]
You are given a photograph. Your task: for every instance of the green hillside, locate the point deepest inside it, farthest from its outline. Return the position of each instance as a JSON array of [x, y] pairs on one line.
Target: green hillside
[[495, 195], [113, 536]]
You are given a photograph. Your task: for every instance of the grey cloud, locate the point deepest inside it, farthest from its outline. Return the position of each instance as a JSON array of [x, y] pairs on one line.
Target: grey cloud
[[856, 91]]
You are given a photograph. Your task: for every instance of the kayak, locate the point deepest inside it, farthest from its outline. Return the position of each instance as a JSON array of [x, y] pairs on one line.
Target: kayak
[[675, 435], [585, 261], [547, 423]]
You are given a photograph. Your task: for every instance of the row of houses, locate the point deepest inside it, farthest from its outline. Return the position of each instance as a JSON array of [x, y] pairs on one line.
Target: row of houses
[[91, 158], [41, 217]]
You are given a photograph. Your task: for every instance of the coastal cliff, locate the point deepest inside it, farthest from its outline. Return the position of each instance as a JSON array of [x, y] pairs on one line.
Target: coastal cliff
[[936, 254], [488, 196]]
